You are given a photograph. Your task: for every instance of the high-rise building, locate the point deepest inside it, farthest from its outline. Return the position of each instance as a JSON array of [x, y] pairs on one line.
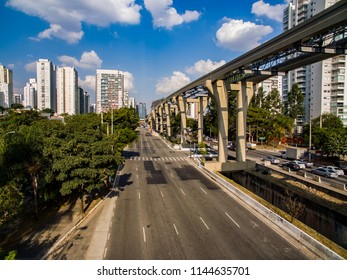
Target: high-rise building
[[131, 102], [141, 110], [84, 101], [109, 91], [68, 98], [6, 87], [46, 85], [30, 95], [321, 83]]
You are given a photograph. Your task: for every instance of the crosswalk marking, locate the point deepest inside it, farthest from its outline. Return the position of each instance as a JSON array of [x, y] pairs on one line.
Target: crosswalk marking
[[157, 159]]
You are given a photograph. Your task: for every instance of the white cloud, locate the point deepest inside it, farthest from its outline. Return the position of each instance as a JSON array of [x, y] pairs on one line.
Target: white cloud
[[203, 67], [168, 85], [275, 12], [89, 60], [66, 17], [164, 15], [128, 81], [237, 35], [57, 31], [88, 84], [30, 67]]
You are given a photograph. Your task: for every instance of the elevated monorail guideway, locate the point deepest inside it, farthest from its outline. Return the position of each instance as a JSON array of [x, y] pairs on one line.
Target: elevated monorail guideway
[[318, 38]]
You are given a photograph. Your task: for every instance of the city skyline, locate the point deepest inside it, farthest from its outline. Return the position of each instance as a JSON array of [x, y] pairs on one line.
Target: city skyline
[[158, 44]]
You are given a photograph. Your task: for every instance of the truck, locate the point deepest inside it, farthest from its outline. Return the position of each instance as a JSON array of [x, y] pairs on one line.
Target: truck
[[295, 153]]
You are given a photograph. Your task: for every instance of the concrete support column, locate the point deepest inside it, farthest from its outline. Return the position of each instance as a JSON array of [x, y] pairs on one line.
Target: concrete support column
[[183, 111], [157, 120], [220, 94], [202, 106], [161, 121], [168, 120], [154, 120], [244, 94]]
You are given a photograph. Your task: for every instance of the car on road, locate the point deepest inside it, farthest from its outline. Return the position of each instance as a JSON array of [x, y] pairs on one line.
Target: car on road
[[306, 163], [325, 172], [294, 165], [273, 160], [335, 169], [283, 154], [251, 146]]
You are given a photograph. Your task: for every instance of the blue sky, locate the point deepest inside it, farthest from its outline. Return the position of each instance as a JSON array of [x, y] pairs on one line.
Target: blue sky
[[160, 44]]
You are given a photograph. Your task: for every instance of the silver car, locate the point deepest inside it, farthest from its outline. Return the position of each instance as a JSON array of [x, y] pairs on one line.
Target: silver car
[[325, 172], [334, 169]]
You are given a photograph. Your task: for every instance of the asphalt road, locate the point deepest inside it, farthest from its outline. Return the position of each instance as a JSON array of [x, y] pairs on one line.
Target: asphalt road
[[167, 209]]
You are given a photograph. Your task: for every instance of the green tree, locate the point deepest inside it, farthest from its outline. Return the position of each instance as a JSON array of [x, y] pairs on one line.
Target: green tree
[[294, 106], [23, 156], [84, 158], [11, 201]]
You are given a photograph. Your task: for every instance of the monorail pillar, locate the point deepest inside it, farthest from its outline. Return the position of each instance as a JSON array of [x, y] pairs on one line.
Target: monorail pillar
[[245, 92], [220, 95], [183, 111], [168, 120]]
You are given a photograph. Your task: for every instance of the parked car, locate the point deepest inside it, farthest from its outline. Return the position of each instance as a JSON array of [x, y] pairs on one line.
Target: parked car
[[325, 172], [294, 165], [335, 169], [273, 160]]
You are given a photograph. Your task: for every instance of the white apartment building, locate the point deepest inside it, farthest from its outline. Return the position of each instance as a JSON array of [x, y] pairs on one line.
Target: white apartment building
[[46, 89], [272, 83], [131, 102], [68, 98], [30, 95], [109, 90], [323, 83], [6, 87]]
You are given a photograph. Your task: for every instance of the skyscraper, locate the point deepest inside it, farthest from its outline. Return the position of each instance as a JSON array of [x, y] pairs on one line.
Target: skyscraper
[[46, 85], [109, 90], [323, 83], [68, 99], [30, 95], [141, 110], [6, 87]]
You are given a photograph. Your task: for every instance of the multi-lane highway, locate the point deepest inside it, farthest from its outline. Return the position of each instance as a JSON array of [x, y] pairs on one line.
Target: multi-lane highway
[[168, 209]]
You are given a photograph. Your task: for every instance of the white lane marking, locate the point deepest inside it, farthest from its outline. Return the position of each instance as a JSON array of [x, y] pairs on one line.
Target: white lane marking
[[137, 169], [139, 195], [144, 234], [108, 236], [171, 175], [204, 223], [162, 195], [105, 252], [137, 176], [203, 190], [231, 219], [182, 191], [175, 229], [166, 167]]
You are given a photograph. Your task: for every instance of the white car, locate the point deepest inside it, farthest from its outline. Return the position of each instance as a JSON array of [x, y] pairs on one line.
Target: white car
[[301, 164], [335, 169], [251, 146]]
